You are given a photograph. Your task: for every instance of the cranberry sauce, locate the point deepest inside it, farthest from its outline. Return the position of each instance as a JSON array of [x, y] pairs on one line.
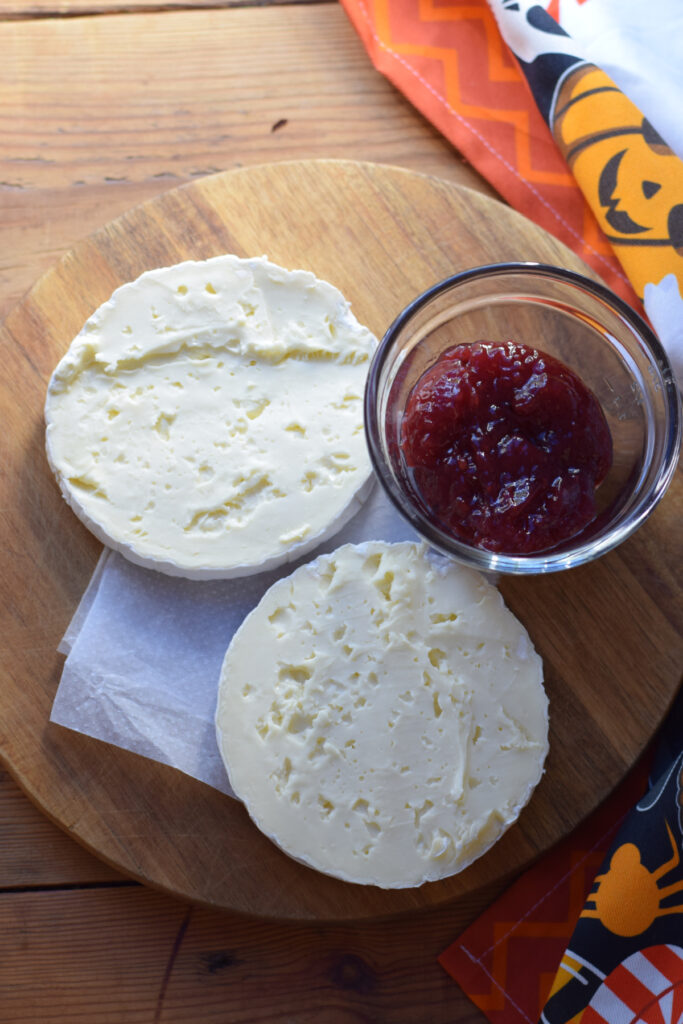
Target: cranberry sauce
[[506, 446]]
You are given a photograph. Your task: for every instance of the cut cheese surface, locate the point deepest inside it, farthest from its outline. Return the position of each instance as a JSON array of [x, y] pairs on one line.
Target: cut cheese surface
[[382, 715], [207, 420]]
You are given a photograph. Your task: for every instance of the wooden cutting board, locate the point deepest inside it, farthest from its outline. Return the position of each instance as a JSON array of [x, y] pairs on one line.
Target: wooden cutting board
[[610, 634]]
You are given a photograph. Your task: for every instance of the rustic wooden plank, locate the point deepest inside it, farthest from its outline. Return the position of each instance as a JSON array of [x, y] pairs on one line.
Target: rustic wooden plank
[[100, 956], [149, 101], [34, 852], [18, 11]]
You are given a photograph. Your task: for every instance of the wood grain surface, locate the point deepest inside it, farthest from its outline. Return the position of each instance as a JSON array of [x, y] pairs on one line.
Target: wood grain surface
[[149, 101], [16, 10], [194, 964], [608, 633]]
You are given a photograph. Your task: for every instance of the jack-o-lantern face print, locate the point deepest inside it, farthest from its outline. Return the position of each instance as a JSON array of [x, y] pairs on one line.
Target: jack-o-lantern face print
[[631, 179]]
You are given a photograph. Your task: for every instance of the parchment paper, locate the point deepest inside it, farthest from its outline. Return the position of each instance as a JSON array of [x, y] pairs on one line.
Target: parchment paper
[[144, 650]]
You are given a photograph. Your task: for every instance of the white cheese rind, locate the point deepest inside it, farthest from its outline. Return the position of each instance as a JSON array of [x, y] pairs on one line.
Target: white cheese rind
[[207, 420], [382, 715]]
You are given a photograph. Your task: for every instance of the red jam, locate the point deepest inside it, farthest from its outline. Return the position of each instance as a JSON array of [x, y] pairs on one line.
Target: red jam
[[505, 447]]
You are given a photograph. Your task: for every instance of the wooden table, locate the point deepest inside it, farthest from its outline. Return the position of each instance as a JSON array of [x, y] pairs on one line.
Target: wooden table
[[103, 106], [106, 103]]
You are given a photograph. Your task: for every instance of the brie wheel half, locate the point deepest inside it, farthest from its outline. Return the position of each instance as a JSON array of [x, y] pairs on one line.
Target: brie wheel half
[[382, 715], [207, 421]]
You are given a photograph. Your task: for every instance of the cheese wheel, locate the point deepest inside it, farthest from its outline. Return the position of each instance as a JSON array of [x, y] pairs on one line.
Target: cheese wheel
[[382, 715], [207, 421]]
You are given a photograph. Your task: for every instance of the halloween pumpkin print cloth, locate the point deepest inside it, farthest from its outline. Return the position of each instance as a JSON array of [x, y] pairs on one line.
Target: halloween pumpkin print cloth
[[517, 94], [594, 933], [629, 175]]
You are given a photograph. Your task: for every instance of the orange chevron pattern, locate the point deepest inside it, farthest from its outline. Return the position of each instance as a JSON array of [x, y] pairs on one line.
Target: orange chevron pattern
[[582, 868], [448, 58], [512, 938], [535, 919], [457, 85], [501, 69]]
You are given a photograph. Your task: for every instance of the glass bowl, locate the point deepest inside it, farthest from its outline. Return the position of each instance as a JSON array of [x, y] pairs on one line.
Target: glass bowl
[[579, 322]]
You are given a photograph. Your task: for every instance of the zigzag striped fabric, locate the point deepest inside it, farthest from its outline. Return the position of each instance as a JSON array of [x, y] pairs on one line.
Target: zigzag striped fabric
[[534, 920], [554, 134], [449, 59]]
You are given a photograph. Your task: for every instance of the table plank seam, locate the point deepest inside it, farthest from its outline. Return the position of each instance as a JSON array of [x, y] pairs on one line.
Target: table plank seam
[[186, 6], [6, 890]]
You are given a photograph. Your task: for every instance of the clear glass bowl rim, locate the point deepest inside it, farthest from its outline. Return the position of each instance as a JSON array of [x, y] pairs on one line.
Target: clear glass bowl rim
[[587, 550]]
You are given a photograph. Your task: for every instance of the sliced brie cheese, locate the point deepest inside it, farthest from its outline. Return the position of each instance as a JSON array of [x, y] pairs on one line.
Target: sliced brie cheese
[[207, 420], [382, 715]]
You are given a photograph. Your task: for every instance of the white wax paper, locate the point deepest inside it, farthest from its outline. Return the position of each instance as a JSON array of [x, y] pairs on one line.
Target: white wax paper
[[144, 650]]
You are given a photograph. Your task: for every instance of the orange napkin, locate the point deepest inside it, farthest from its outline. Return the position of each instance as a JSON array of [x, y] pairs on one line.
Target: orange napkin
[[549, 129], [449, 59]]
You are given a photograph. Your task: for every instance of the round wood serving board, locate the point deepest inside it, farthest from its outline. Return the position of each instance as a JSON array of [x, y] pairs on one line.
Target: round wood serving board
[[610, 634]]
